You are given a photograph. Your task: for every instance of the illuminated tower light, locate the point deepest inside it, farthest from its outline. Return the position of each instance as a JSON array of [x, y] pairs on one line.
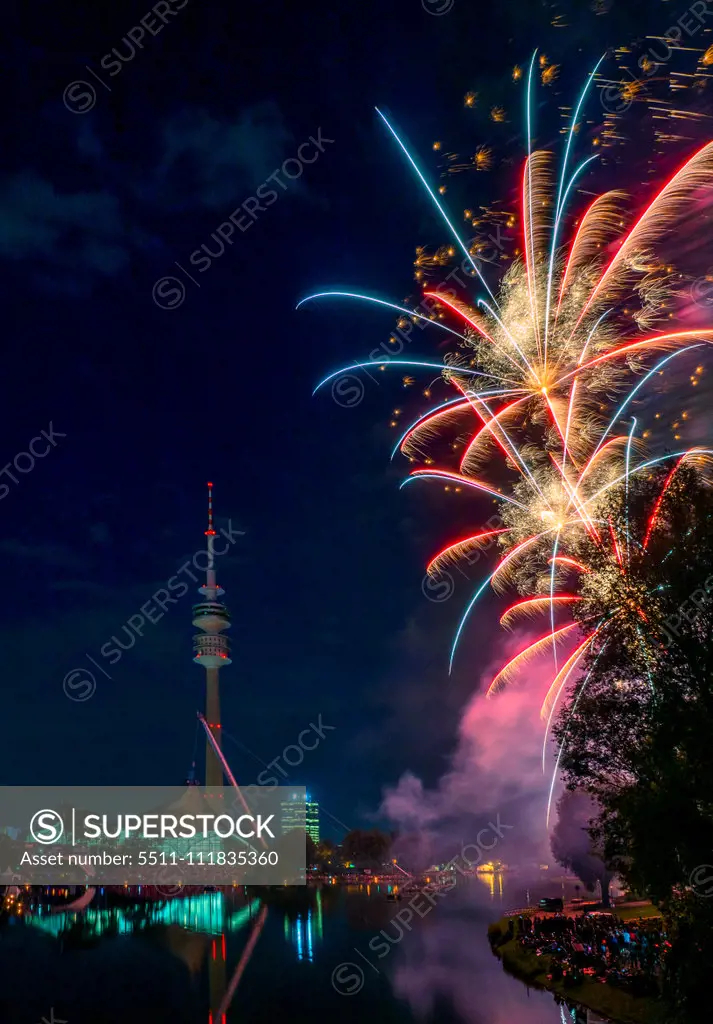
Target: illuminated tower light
[[212, 649]]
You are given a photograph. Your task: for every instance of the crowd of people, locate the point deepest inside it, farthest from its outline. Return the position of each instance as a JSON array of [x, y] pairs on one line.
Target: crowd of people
[[602, 946]]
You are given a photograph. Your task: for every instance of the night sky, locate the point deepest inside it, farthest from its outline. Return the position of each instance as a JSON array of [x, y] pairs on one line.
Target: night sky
[[325, 586]]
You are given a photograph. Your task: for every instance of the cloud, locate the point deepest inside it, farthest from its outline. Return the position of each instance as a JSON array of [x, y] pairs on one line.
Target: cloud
[[73, 240], [69, 237], [99, 533], [207, 162], [89, 587], [54, 555]]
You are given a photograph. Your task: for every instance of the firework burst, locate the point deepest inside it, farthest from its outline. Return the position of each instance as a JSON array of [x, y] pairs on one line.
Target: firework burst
[[544, 373]]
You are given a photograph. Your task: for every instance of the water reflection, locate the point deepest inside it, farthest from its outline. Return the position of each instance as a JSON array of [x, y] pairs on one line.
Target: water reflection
[[271, 954], [306, 929], [494, 880], [209, 913], [449, 961]]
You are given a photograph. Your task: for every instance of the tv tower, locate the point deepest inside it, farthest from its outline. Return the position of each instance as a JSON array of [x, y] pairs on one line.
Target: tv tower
[[211, 649]]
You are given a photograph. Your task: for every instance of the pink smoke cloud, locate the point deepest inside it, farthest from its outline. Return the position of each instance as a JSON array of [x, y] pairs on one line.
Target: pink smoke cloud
[[496, 768]]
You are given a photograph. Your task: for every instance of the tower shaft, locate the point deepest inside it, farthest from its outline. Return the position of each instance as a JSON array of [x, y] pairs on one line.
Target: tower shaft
[[213, 767]]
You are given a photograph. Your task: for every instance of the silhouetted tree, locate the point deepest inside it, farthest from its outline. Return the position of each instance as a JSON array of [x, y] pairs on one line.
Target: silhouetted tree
[[326, 851], [636, 728], [366, 848]]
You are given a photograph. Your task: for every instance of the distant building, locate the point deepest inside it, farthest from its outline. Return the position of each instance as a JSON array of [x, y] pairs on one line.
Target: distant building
[[301, 814], [313, 820]]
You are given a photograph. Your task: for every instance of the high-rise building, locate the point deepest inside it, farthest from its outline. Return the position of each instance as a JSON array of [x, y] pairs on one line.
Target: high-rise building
[[293, 812], [212, 649], [313, 819], [301, 813]]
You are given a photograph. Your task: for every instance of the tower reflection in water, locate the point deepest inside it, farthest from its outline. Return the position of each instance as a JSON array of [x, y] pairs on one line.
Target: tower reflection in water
[[302, 931], [208, 912]]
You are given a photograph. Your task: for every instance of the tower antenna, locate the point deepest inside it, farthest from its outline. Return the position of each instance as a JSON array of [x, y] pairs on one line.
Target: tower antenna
[[210, 532]]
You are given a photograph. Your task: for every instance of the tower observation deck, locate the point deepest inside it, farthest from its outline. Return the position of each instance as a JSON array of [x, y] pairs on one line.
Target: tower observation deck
[[211, 649]]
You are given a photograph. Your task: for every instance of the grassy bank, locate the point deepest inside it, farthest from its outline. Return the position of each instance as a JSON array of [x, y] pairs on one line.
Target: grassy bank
[[602, 999], [635, 912]]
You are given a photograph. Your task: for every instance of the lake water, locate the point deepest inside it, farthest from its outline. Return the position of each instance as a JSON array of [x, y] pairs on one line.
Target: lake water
[[353, 960], [333, 953]]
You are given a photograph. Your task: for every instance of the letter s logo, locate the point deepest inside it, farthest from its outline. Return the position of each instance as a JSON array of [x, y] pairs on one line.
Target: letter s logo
[[46, 827]]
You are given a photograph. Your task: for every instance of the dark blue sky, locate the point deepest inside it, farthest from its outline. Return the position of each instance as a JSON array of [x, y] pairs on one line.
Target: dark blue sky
[[325, 586]]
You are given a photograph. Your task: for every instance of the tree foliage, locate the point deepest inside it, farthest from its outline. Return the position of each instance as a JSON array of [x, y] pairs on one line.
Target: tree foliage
[[366, 848], [638, 727]]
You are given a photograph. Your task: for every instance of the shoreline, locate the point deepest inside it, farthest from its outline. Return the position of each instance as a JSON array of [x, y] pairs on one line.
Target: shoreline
[[618, 1006]]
